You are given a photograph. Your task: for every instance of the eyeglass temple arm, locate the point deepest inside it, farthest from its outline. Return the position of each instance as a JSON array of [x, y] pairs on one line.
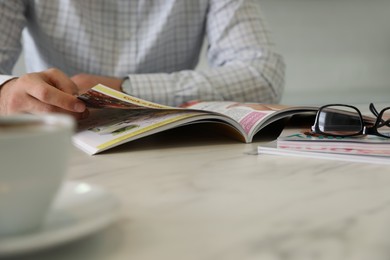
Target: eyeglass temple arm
[[373, 110]]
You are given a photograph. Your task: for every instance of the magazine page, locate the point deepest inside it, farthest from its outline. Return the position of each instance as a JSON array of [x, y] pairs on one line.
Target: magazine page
[[252, 116], [106, 128], [101, 96]]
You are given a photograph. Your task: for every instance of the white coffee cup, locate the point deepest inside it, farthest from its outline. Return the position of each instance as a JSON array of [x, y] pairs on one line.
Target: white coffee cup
[[34, 151]]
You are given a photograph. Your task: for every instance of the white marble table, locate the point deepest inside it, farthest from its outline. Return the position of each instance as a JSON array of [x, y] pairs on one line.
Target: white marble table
[[186, 196]]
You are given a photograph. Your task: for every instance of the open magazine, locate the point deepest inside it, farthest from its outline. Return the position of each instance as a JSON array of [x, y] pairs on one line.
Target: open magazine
[[117, 118]]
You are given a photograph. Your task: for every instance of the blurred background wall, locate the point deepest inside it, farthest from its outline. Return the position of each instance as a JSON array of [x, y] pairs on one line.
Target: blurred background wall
[[335, 50]]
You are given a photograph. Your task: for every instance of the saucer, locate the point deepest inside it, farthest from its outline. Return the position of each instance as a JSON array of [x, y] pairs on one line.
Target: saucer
[[80, 209]]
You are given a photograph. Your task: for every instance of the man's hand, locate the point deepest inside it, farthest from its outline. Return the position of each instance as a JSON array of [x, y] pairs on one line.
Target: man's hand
[[86, 81], [47, 91]]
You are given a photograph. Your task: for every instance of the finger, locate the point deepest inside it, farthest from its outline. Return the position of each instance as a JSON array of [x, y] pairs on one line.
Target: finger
[[33, 92], [50, 95], [61, 81], [37, 107]]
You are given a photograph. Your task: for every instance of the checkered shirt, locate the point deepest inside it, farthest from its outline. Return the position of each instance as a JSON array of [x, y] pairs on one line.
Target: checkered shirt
[[155, 43]]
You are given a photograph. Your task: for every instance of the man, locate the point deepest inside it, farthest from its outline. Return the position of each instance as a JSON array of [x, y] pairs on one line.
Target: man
[[147, 48]]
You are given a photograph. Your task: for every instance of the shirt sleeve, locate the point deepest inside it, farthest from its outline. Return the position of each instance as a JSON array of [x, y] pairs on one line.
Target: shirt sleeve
[[12, 22], [243, 65]]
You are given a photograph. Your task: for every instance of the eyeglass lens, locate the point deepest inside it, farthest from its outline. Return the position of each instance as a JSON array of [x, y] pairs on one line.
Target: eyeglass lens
[[383, 127], [340, 120]]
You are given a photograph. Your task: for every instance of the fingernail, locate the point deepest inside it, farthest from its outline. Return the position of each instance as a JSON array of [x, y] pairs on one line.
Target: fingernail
[[79, 107]]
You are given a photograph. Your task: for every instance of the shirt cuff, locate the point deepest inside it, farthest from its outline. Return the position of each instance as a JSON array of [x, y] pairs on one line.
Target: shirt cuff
[[5, 78]]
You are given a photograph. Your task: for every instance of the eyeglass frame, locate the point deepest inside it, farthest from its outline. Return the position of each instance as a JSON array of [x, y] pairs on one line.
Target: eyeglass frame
[[365, 130]]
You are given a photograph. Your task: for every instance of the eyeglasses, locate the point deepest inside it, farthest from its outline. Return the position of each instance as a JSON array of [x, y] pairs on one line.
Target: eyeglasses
[[346, 120]]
